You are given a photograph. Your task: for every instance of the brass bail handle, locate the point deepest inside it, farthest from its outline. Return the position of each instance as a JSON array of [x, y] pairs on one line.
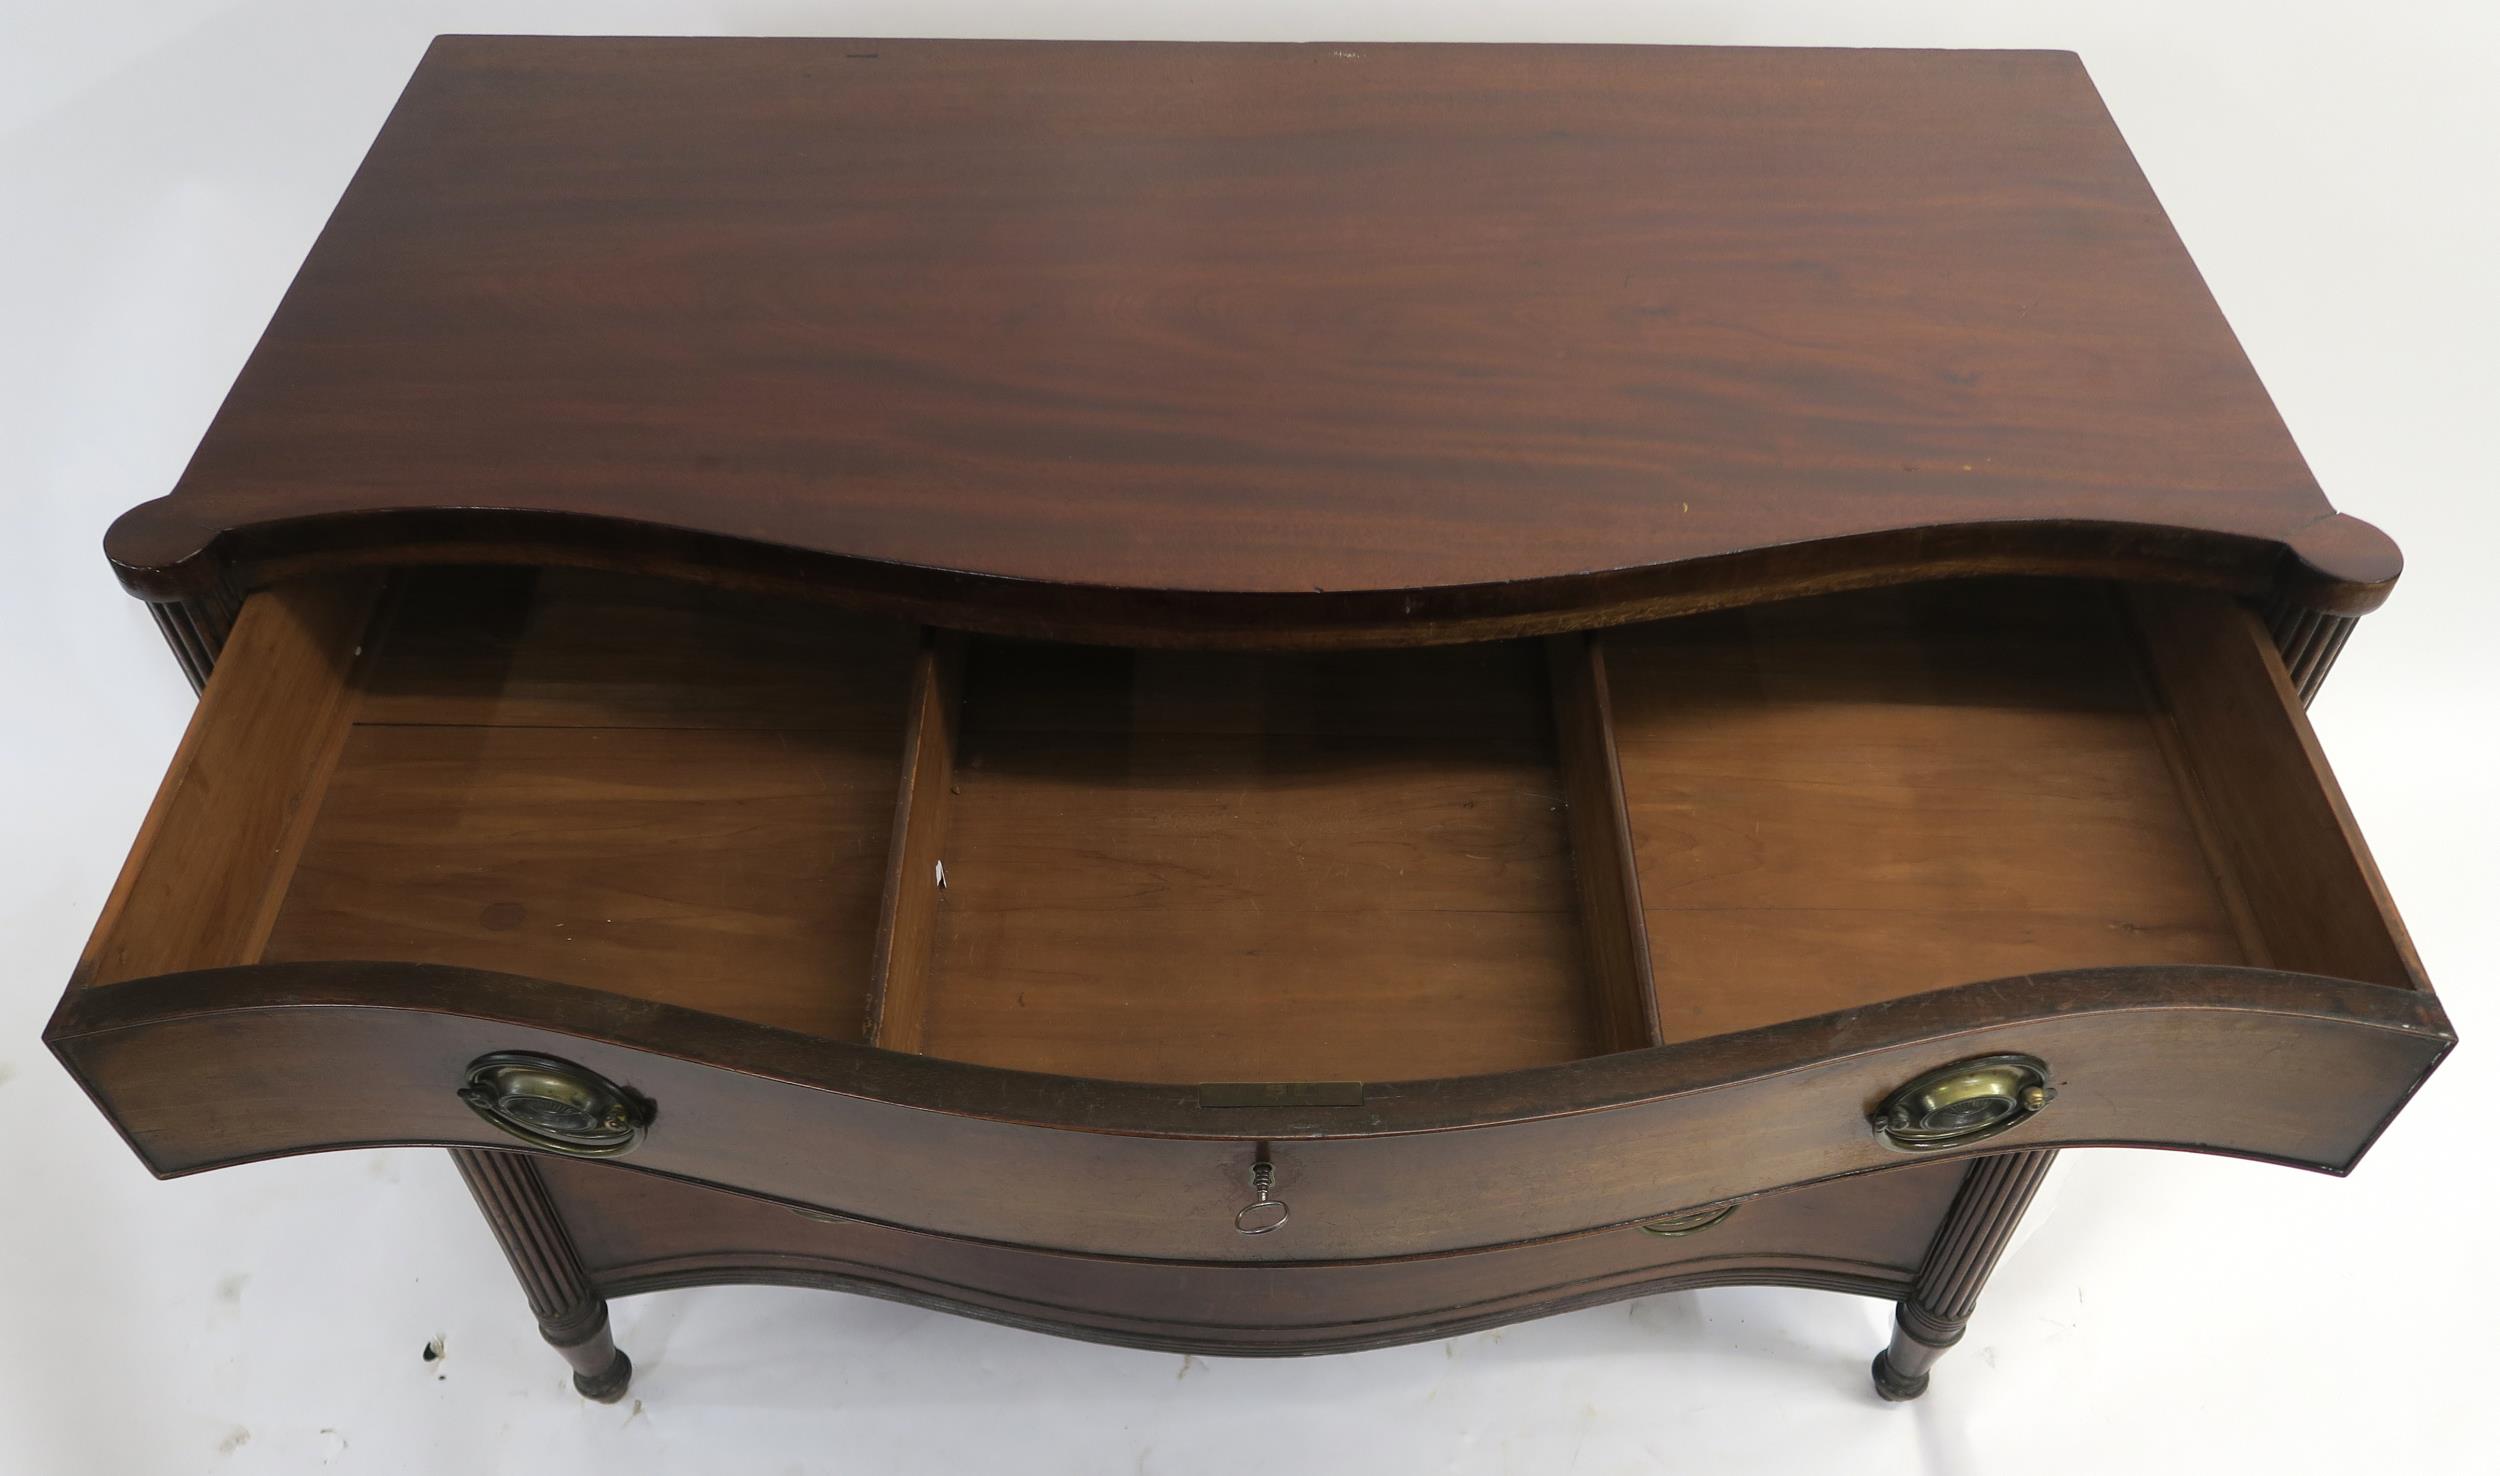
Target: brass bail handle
[[1691, 1222], [1266, 1212], [1965, 1102], [555, 1105]]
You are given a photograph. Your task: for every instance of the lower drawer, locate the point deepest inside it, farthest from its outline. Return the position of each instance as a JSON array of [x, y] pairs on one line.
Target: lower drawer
[[639, 1233]]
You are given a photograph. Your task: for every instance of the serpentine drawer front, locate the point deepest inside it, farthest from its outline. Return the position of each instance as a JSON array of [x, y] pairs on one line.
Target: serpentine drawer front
[[747, 695]]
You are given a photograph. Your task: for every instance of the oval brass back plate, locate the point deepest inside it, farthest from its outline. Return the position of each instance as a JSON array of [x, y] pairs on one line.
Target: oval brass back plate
[[1964, 1103], [1690, 1223], [553, 1104]]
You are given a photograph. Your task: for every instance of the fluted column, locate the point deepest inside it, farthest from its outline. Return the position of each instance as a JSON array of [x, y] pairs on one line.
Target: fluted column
[[1982, 1218], [2310, 640], [570, 1315]]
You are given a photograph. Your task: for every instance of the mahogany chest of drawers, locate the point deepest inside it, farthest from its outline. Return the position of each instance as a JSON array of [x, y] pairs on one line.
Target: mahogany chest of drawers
[[1252, 699]]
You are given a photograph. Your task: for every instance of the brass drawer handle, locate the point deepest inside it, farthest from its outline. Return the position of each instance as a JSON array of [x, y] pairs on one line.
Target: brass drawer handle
[[1690, 1223], [1964, 1103], [555, 1105], [1264, 1213]]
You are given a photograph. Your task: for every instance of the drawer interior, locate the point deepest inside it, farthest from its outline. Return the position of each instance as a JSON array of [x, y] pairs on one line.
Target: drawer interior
[[1850, 799], [1214, 866], [1247, 867], [636, 785]]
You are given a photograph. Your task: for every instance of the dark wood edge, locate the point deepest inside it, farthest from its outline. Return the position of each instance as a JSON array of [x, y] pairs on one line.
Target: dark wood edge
[[2339, 564], [2379, 1129], [1135, 1109], [1353, 1337]]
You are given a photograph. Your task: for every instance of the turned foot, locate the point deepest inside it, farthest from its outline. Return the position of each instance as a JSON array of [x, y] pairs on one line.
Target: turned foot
[[1918, 1340], [1891, 1386], [600, 1370], [608, 1385]]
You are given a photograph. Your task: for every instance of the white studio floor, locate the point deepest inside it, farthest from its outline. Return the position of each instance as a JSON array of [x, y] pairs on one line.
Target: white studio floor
[[164, 164]]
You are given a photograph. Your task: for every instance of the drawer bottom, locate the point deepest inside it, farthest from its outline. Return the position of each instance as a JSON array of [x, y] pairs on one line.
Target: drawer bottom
[[636, 1233]]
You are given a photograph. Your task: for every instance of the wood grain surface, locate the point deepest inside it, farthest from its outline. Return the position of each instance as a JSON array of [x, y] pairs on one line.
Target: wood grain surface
[[217, 850], [1235, 868], [668, 791], [1231, 342], [2280, 830], [729, 869], [558, 648], [1868, 795]]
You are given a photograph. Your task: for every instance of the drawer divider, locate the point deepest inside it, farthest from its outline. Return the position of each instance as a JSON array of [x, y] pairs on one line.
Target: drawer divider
[[1600, 826], [898, 981]]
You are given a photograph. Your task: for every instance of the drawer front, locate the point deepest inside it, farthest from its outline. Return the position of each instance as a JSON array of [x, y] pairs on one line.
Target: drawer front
[[639, 1232], [205, 1070]]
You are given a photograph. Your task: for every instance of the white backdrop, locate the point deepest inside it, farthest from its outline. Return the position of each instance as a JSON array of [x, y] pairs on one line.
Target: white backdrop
[[164, 164]]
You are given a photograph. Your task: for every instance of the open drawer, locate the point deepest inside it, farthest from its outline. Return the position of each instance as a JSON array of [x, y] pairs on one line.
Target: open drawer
[[1051, 945]]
